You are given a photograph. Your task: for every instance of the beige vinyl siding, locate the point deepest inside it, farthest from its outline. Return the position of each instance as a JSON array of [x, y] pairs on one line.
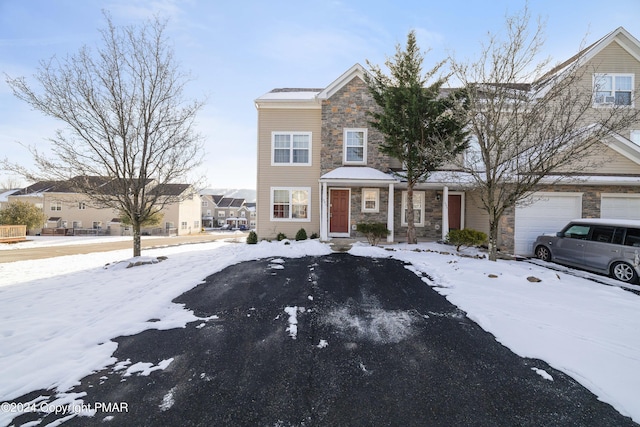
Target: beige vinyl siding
[[475, 217], [615, 59], [287, 120], [603, 160]]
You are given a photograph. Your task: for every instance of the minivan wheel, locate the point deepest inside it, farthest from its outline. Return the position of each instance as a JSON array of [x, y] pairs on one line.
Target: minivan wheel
[[624, 272], [543, 253]]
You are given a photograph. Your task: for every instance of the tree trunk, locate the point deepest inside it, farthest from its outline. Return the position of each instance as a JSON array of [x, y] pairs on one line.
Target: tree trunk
[[493, 238], [411, 226], [136, 240]]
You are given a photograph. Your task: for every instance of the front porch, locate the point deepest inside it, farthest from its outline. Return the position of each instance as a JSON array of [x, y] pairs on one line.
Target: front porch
[[353, 195]]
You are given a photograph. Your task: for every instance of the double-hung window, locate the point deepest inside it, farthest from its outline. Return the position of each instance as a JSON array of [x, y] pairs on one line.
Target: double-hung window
[[355, 146], [291, 148], [613, 89], [370, 199], [418, 208], [291, 203], [56, 206]]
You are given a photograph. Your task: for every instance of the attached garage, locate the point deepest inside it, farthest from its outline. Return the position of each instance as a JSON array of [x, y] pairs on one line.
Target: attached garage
[[620, 206], [547, 213]]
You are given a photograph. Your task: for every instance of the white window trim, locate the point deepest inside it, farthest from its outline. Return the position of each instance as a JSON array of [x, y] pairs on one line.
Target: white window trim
[[403, 219], [613, 90], [364, 148], [375, 209], [290, 162], [291, 190]]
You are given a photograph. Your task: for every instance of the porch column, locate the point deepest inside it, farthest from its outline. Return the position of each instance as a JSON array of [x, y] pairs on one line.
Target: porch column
[[324, 235], [445, 212], [390, 214]]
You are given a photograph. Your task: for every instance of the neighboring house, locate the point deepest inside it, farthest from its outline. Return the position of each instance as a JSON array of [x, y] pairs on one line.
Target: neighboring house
[[69, 212], [319, 166], [221, 211], [4, 197]]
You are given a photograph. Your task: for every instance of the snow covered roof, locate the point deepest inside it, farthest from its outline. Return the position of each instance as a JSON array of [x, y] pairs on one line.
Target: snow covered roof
[[358, 173], [4, 196], [289, 94]]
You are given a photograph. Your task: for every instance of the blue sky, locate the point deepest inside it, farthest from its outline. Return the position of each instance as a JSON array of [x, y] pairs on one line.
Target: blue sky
[[237, 51]]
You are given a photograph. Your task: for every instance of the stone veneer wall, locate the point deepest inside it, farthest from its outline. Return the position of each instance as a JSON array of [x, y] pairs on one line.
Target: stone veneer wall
[[432, 229], [357, 216], [348, 109]]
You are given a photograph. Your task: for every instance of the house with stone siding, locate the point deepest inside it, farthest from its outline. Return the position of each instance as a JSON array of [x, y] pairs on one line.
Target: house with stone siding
[[320, 168]]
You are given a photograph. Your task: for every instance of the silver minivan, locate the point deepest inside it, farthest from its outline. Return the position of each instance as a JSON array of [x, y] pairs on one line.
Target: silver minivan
[[609, 246]]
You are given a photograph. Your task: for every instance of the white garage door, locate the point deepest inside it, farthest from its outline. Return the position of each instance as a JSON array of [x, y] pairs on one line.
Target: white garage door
[[548, 213], [620, 207]]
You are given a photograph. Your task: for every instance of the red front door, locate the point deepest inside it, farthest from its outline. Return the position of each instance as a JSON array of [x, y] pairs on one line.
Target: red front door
[[455, 208], [339, 211]]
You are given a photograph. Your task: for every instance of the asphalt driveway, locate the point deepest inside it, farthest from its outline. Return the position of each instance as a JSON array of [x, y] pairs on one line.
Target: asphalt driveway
[[333, 340]]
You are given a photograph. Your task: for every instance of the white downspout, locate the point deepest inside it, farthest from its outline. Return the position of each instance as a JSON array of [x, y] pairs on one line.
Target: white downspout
[[324, 236], [445, 212], [390, 214]]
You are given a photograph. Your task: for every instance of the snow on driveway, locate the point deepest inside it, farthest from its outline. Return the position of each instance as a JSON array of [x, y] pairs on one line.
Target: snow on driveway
[[58, 316]]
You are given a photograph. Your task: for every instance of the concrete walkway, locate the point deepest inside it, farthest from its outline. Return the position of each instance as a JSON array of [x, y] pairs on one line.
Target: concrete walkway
[[71, 249]]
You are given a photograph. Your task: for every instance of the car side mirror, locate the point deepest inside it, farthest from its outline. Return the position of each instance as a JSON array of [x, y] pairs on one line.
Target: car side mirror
[[559, 234]]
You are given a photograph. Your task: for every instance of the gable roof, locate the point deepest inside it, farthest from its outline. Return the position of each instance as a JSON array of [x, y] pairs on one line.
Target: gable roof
[[620, 36], [308, 97], [356, 70], [230, 202], [171, 189]]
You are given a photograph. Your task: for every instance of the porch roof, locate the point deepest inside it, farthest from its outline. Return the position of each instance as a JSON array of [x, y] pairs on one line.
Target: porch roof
[[358, 175]]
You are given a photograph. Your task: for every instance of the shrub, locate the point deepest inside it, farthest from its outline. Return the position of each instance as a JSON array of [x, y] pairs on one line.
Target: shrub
[[22, 213], [281, 236], [301, 234], [466, 237], [373, 231], [252, 238], [314, 236]]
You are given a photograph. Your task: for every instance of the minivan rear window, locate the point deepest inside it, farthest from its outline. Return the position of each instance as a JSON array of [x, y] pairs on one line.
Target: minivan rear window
[[633, 237]]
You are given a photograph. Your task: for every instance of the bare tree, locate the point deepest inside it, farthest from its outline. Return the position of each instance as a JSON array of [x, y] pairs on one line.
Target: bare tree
[[129, 129], [10, 183], [528, 125]]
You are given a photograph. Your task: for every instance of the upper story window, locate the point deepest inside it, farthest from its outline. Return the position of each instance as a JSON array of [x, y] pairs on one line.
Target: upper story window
[[613, 89], [355, 146], [291, 148], [56, 206], [205, 203], [473, 154], [82, 205]]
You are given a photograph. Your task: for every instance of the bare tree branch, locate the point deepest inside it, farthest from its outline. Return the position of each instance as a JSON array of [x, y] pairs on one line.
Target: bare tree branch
[[528, 125], [126, 119]]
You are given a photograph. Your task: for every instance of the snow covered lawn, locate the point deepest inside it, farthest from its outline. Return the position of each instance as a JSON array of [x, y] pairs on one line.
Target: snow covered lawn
[[58, 316]]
